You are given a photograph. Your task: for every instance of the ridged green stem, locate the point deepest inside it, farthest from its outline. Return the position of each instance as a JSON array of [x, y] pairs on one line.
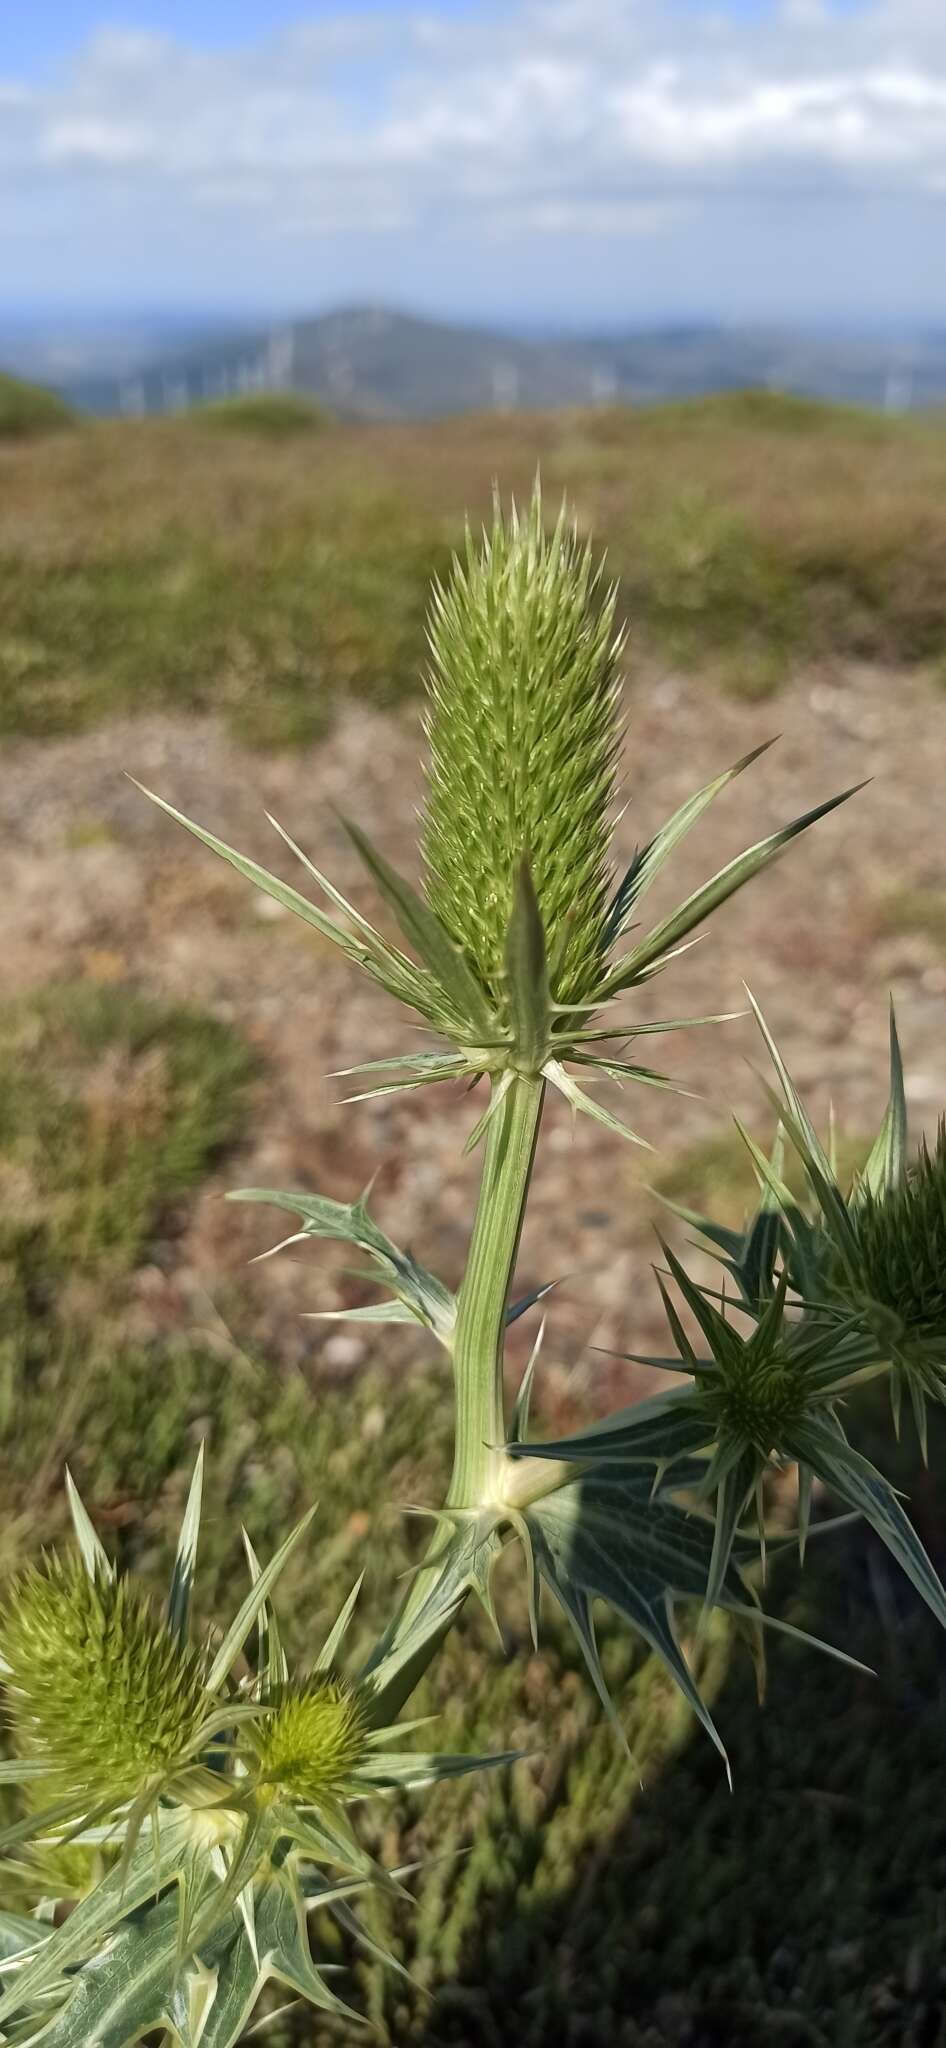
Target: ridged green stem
[[484, 1294], [478, 1352]]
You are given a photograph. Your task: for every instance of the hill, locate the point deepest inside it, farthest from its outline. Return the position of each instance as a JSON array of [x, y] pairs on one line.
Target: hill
[[372, 362], [27, 410]]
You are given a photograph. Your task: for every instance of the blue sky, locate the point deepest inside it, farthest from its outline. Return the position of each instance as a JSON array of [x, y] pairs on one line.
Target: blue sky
[[564, 161], [34, 36]]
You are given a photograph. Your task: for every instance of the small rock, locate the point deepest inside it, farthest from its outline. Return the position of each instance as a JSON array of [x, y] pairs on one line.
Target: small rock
[[343, 1350]]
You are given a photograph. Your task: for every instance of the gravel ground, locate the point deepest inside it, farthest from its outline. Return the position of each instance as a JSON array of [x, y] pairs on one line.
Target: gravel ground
[[97, 883]]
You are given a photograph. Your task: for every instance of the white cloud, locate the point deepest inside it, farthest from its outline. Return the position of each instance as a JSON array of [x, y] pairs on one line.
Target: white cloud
[[619, 120], [86, 138]]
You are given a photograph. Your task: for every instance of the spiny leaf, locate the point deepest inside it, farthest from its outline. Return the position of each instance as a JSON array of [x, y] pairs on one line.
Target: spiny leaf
[[243, 1621], [527, 979], [423, 929], [821, 1445], [182, 1579], [520, 1414], [330, 1648], [281, 892], [421, 1293], [712, 894], [647, 864], [94, 1556], [597, 1540], [657, 1432], [272, 1657], [154, 1863], [886, 1166], [586, 1104]]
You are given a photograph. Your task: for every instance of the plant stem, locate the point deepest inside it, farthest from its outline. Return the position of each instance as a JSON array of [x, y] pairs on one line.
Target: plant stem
[[484, 1294], [478, 1372]]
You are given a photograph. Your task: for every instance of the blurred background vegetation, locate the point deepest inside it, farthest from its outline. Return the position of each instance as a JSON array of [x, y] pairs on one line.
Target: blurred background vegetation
[[288, 568], [263, 565]]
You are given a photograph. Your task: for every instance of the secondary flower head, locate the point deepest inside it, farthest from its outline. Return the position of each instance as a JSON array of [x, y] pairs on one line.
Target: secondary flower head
[[223, 1801], [523, 733], [901, 1243], [875, 1252], [98, 1688], [763, 1396], [310, 1740]]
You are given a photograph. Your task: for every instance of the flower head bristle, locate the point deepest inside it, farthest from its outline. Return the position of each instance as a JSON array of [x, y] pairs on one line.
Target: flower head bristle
[[523, 734]]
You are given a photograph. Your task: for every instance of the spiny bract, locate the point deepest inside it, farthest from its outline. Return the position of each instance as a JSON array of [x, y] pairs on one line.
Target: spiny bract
[[523, 734], [97, 1686], [310, 1739]]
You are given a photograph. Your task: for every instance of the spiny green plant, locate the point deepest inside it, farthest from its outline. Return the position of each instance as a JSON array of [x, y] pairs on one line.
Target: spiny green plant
[[875, 1254], [227, 1795], [232, 1789]]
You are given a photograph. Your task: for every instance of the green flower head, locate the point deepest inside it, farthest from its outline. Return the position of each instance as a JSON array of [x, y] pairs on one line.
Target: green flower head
[[98, 1687], [523, 734], [874, 1252], [196, 1818], [758, 1394], [901, 1238], [310, 1740], [520, 935]]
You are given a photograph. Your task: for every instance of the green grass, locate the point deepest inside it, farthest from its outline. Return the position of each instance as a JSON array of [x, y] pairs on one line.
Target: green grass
[[715, 1176], [705, 583], [27, 410], [772, 412], [272, 636], [917, 910], [238, 560], [277, 415], [112, 1107]]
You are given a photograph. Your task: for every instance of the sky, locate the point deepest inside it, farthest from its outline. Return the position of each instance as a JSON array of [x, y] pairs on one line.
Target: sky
[[569, 163]]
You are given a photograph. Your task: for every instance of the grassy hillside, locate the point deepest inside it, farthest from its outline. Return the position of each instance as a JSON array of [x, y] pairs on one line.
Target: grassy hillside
[[274, 414], [267, 572], [28, 410]]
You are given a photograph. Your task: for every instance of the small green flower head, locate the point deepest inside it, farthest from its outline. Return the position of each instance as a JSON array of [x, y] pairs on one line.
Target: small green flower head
[[758, 1393], [877, 1251], [310, 1740], [523, 734], [97, 1686], [901, 1237], [766, 1397]]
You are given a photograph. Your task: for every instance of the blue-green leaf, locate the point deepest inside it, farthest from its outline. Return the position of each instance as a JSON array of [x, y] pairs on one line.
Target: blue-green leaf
[[598, 1539], [857, 1481]]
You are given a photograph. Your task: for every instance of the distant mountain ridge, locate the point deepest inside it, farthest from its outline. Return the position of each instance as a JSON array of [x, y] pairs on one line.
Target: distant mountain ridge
[[372, 362]]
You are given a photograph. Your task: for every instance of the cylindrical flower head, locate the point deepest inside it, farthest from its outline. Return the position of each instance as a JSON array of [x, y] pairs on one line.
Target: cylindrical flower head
[[523, 733], [97, 1686], [310, 1739]]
